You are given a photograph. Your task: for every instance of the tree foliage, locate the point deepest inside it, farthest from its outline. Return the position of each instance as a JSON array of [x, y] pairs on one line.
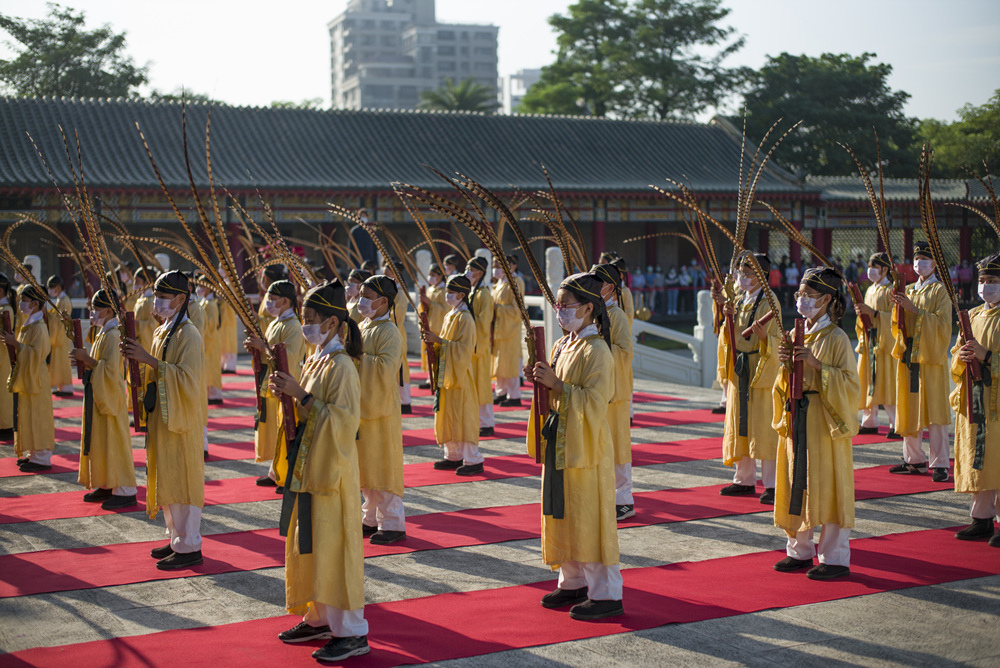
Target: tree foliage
[[312, 103], [838, 98], [638, 59], [58, 56], [467, 95], [968, 142]]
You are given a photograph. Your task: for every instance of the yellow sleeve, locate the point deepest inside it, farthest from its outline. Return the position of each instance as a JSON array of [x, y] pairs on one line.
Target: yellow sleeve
[[583, 406], [106, 378], [839, 385], [621, 353], [180, 381], [933, 329], [383, 352], [507, 314], [31, 375], [455, 352]]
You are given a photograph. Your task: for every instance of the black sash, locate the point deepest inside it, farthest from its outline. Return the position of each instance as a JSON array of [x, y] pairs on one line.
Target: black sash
[[304, 498], [259, 379], [800, 462], [88, 410], [979, 414], [872, 343], [553, 493], [742, 370], [913, 366]]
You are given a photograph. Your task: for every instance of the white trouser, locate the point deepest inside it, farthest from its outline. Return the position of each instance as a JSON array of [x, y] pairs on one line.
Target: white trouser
[[486, 418], [229, 362], [405, 394], [834, 545], [623, 485], [467, 452], [123, 491], [913, 449], [985, 505], [746, 472], [631, 408], [65, 388], [725, 393], [214, 392], [510, 387], [383, 509], [603, 583], [869, 416], [183, 527], [43, 457], [342, 623]]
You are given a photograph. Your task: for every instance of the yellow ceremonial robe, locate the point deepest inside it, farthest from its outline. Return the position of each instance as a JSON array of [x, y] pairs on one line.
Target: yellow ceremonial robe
[[131, 298], [761, 441], [506, 332], [380, 436], [213, 342], [327, 469], [880, 343], [930, 330], [435, 316], [269, 439], [109, 463], [399, 317], [30, 379], [196, 313], [353, 313], [587, 533], [60, 372], [621, 399], [831, 423], [986, 330], [457, 417], [145, 323], [481, 304], [228, 343], [6, 398], [628, 304], [175, 466]]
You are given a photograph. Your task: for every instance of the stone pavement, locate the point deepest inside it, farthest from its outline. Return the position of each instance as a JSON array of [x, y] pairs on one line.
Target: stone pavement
[[954, 623]]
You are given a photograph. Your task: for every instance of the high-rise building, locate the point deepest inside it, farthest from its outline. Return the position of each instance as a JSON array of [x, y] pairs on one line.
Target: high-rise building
[[513, 88], [384, 52]]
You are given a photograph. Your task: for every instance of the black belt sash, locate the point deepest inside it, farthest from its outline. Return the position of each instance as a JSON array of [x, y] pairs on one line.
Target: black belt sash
[[259, 379], [872, 357], [742, 370], [914, 367], [800, 462], [553, 492], [304, 498], [88, 410], [979, 414]]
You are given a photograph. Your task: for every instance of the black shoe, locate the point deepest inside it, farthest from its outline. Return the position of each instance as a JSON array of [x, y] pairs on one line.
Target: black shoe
[[387, 537], [426, 385], [179, 560], [228, 371], [302, 632], [737, 490], [265, 481], [279, 490], [980, 528], [485, 431], [116, 502], [447, 464], [624, 511], [470, 469], [507, 403], [204, 455], [940, 474], [499, 398], [404, 409], [827, 572], [23, 460], [32, 467], [161, 552], [97, 495], [767, 498], [791, 564], [215, 402], [995, 541], [893, 436], [6, 434], [596, 609], [341, 648], [62, 394], [867, 430], [560, 598], [910, 469], [368, 530], [719, 410]]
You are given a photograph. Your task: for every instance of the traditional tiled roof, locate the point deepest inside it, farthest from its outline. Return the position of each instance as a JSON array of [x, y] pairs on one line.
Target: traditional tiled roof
[[311, 150], [851, 188]]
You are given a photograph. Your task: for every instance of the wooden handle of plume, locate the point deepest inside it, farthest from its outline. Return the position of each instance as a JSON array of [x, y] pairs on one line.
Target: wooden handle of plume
[[762, 321], [541, 395], [900, 311], [866, 322], [134, 380], [78, 343], [429, 347], [287, 402], [973, 371], [11, 347], [797, 366], [257, 365]]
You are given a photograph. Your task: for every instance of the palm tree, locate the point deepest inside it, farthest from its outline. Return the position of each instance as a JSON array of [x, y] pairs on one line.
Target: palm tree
[[466, 96]]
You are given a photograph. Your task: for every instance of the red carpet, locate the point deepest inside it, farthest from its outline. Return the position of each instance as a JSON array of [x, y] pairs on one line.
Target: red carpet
[[64, 570], [451, 626]]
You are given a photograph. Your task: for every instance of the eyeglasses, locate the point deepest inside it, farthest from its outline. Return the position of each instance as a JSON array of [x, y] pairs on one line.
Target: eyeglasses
[[807, 295], [560, 307]]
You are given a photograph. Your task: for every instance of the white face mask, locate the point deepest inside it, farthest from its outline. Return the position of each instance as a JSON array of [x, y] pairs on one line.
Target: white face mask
[[272, 308], [201, 292], [468, 275], [124, 277], [161, 306], [53, 292], [23, 307], [989, 292], [434, 280], [497, 273], [924, 268], [746, 283], [874, 274], [568, 319], [352, 290], [313, 334], [806, 306], [365, 307], [453, 299]]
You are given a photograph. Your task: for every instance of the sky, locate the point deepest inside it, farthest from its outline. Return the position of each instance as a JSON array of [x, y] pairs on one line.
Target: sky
[[945, 54]]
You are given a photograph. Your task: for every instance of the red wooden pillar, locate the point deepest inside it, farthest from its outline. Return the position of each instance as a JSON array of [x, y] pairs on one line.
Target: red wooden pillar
[[650, 244], [67, 267], [794, 250], [763, 240], [598, 239], [965, 243], [907, 253]]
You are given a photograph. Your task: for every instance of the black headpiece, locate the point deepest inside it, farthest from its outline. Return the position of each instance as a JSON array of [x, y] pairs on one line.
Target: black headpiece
[[105, 299], [459, 283], [328, 299], [173, 282], [989, 265], [880, 260], [922, 248], [383, 286], [359, 275]]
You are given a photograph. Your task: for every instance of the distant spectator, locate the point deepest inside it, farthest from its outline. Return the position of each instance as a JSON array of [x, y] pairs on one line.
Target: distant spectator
[[698, 277], [639, 288], [687, 292], [965, 280], [671, 281], [791, 282], [658, 285]]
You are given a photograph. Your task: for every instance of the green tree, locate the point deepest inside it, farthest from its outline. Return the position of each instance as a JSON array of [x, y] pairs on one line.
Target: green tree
[[967, 142], [467, 95], [313, 103], [182, 95], [58, 56], [638, 59], [838, 98]]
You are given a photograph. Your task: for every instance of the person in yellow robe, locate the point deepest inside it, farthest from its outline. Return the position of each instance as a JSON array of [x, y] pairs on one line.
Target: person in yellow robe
[[281, 303], [213, 343], [106, 465], [196, 313], [876, 368], [60, 372], [354, 281], [432, 302], [456, 402], [380, 437], [922, 369], [145, 320], [977, 441], [6, 398], [453, 265], [320, 513], [394, 270], [579, 533], [268, 275], [481, 305], [175, 404], [815, 486], [34, 427], [748, 436], [507, 338], [126, 282]]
